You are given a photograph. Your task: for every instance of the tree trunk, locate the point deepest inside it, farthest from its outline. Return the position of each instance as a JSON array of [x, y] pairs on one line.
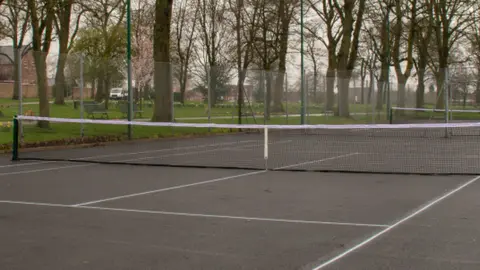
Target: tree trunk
[[278, 96], [401, 94], [163, 94], [214, 87], [60, 83], [94, 86], [370, 88], [420, 93], [106, 90], [477, 93], [42, 85], [440, 77], [17, 58], [268, 101], [241, 92], [330, 89], [382, 83], [162, 72], [343, 91], [183, 84], [285, 23], [362, 98], [100, 87]]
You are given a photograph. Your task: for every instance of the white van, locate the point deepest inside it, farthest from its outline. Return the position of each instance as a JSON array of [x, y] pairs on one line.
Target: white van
[[118, 93]]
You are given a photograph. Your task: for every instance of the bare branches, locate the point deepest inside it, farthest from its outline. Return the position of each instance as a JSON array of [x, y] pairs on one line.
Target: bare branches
[[15, 16]]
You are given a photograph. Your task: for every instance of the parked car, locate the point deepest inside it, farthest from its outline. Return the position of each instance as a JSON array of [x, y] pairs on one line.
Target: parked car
[[118, 93]]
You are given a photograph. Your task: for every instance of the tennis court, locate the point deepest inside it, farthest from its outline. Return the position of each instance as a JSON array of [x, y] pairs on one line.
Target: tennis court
[[89, 215]]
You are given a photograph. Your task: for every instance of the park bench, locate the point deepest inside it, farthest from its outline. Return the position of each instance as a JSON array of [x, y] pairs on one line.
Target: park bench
[[93, 108], [124, 109]]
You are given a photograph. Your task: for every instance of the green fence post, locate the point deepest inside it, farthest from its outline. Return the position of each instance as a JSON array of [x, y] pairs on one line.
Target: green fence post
[[15, 139]]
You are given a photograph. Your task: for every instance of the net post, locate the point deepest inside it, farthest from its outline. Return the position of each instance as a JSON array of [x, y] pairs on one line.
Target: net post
[[15, 139], [265, 149]]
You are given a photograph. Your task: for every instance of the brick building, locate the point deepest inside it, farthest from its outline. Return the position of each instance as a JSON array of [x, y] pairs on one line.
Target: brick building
[[7, 69]]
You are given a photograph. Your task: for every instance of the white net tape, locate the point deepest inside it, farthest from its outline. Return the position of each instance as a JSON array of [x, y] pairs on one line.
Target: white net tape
[[232, 126]]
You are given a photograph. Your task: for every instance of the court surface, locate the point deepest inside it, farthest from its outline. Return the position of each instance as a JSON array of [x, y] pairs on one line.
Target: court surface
[[68, 215]]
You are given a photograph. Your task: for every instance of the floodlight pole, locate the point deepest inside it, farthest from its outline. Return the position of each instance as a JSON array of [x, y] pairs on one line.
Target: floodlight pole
[[129, 66], [302, 68]]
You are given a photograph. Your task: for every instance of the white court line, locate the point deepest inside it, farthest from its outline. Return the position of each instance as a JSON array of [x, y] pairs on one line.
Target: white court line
[[26, 164], [127, 160], [170, 188], [316, 161], [391, 227], [45, 170], [200, 215]]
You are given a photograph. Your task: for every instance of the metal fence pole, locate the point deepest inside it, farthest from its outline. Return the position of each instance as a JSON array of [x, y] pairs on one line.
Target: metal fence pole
[[81, 95], [20, 93], [15, 139], [262, 79], [209, 94], [286, 96], [445, 93]]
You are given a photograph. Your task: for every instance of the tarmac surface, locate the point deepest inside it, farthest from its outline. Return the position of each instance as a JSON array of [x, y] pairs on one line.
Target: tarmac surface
[[68, 215]]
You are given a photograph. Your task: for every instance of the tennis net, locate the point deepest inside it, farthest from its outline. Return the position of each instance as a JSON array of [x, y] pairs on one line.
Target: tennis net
[[380, 148], [401, 115]]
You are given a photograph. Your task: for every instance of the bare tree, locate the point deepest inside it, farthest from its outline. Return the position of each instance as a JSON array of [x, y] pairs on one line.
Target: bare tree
[[161, 54], [67, 28], [246, 14], [451, 19], [42, 15], [184, 35], [286, 9], [403, 45], [314, 54], [108, 17], [142, 58], [474, 38], [15, 14], [378, 31], [267, 47], [422, 47], [215, 46], [325, 10], [351, 16]]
